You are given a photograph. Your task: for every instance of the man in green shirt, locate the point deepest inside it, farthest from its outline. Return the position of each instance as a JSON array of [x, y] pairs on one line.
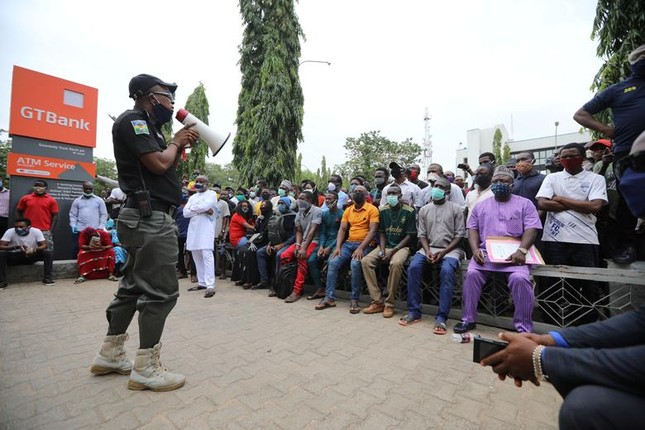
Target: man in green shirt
[[397, 229]]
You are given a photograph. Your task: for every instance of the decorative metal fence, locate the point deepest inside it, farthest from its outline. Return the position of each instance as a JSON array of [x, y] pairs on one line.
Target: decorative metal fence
[[560, 301]]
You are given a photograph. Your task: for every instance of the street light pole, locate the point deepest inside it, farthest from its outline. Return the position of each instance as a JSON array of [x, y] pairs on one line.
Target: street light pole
[[314, 61], [557, 123]]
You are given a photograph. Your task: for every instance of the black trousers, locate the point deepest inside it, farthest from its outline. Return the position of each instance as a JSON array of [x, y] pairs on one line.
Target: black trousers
[[19, 258]]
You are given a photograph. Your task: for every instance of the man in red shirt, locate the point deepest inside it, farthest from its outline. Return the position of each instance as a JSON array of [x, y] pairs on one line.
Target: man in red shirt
[[41, 209]]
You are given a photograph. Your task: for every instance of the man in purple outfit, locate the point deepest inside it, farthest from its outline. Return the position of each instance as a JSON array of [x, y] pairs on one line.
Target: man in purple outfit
[[505, 215]]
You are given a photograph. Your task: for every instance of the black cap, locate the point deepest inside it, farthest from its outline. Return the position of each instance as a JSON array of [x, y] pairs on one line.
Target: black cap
[[140, 84], [395, 165]]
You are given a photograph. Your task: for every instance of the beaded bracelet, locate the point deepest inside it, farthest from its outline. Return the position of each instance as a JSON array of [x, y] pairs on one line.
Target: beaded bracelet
[[537, 363]]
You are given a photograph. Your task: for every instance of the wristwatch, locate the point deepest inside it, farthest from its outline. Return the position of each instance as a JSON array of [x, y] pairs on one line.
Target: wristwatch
[[523, 250]]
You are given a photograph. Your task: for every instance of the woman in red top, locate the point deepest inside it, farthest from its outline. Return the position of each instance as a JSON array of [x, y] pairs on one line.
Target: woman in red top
[[95, 256], [241, 223]]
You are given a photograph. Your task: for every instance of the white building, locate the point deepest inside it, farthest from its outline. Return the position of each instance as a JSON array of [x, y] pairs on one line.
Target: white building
[[481, 140]]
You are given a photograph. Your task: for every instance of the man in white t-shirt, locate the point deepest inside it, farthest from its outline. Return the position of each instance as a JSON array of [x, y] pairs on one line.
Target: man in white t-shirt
[[481, 190], [571, 199], [410, 193], [24, 244]]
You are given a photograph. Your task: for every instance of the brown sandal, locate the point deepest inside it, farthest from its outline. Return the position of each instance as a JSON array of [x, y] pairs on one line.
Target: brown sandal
[[354, 308], [324, 304]]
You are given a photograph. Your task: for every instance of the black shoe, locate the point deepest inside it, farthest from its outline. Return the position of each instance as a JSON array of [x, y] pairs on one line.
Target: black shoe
[[209, 293], [627, 256], [3, 285], [48, 281], [463, 327], [261, 286]]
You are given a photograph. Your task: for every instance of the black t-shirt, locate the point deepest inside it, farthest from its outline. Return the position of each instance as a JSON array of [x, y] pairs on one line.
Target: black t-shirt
[[134, 135]]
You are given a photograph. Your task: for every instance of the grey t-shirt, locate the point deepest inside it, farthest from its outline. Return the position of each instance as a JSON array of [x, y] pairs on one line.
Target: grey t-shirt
[[440, 224], [313, 216]]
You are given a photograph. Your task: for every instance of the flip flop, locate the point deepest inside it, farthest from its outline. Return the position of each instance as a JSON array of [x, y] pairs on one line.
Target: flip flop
[[199, 287], [324, 304], [316, 296], [113, 278], [79, 280], [439, 328]]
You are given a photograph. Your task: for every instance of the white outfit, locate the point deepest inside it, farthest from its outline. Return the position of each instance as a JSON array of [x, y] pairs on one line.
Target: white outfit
[[474, 196], [201, 234], [410, 194], [570, 226], [224, 211]]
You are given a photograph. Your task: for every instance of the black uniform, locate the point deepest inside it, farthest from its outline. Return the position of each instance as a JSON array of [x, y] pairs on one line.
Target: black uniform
[[149, 284]]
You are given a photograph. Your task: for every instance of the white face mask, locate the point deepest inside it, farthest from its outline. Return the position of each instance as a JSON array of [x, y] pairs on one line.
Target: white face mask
[[331, 186]]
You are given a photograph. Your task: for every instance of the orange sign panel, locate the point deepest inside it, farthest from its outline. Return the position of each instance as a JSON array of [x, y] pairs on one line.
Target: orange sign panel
[[49, 168], [46, 107]]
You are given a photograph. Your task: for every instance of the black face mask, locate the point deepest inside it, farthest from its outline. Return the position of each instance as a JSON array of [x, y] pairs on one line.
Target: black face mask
[[359, 198], [266, 196], [483, 180], [22, 231], [161, 113]]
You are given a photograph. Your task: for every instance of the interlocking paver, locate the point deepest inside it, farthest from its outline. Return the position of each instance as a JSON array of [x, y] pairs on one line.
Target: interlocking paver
[[251, 362]]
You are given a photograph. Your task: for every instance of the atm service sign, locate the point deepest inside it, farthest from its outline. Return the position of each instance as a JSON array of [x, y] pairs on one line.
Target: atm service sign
[[50, 108]]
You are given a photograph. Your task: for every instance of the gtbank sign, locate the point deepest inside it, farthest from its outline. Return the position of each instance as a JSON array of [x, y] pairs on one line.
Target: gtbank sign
[[49, 108]]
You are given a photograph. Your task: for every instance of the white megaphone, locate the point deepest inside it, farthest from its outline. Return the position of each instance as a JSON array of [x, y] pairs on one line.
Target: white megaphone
[[213, 139]]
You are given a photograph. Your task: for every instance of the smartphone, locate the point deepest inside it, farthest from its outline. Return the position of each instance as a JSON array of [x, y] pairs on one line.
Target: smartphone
[[484, 347]]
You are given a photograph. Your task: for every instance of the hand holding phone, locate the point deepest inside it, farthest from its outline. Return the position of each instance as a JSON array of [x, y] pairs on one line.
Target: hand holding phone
[[484, 347]]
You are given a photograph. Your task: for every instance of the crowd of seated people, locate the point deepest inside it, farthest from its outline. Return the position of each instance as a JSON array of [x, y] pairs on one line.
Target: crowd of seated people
[[406, 224]]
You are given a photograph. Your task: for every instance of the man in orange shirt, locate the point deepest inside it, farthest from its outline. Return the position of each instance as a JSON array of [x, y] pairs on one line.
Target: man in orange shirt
[[362, 220]]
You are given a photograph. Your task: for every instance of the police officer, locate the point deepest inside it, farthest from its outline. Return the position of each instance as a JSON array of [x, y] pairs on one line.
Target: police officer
[[146, 228]]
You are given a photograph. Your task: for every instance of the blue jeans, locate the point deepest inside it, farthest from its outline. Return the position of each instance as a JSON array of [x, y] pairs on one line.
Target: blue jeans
[[447, 278], [242, 242], [335, 264], [314, 263], [263, 262]]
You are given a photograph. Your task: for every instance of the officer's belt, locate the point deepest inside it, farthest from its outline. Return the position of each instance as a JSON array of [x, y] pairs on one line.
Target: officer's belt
[[156, 205]]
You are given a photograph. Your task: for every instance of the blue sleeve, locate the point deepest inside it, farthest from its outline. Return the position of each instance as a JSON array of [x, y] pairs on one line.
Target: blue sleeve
[[601, 101], [559, 340]]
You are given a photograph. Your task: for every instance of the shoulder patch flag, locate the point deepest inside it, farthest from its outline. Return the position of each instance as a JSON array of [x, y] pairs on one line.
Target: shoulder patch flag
[[140, 127]]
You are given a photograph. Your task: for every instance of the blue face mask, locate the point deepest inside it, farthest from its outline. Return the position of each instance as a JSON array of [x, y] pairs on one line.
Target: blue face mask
[[501, 190], [283, 209], [161, 113], [392, 200], [437, 194], [631, 185]]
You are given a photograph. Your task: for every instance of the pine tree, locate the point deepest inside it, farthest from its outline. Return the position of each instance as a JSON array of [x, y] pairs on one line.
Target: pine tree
[[270, 104]]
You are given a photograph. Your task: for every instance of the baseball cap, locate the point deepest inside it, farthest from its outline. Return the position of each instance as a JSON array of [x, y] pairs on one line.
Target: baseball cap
[[140, 84], [603, 142]]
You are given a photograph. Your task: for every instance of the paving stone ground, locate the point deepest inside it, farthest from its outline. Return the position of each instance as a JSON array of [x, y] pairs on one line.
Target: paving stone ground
[[251, 362]]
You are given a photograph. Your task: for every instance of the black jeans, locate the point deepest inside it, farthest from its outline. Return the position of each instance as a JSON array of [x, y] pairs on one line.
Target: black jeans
[[581, 255], [19, 258]]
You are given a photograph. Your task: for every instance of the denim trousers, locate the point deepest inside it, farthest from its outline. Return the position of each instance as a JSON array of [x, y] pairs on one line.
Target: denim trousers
[[447, 277], [337, 263]]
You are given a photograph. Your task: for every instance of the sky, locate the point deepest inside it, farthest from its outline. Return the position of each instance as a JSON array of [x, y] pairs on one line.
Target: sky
[[472, 64]]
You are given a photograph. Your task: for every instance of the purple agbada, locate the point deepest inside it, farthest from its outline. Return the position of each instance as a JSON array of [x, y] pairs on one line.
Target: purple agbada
[[508, 219]]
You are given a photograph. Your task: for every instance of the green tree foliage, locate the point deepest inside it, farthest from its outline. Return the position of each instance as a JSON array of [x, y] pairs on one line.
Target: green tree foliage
[[497, 146], [619, 27], [506, 153], [225, 176], [5, 148], [371, 150], [197, 104], [270, 103]]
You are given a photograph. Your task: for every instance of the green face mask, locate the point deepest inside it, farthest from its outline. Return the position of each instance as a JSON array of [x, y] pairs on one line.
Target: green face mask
[[240, 197], [392, 200]]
